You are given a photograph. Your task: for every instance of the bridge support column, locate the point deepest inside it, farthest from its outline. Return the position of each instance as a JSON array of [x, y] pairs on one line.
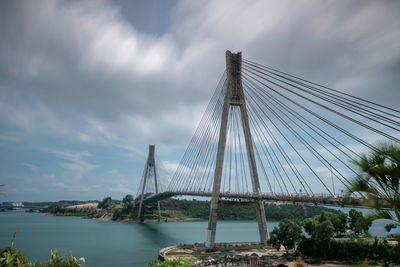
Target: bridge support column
[[234, 96], [156, 186], [142, 195], [150, 165]]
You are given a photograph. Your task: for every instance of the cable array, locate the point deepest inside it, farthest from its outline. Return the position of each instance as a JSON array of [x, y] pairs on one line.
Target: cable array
[[304, 135], [195, 171]]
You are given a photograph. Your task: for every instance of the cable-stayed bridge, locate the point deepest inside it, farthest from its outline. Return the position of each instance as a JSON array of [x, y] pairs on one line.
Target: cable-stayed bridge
[[269, 135]]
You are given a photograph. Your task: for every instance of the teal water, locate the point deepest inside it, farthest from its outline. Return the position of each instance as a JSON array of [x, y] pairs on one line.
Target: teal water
[[105, 243]]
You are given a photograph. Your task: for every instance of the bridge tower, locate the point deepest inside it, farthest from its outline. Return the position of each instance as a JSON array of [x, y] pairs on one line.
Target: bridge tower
[[234, 96], [150, 170]]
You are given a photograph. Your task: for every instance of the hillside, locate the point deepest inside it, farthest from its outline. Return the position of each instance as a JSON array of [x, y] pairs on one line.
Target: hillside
[[183, 210]]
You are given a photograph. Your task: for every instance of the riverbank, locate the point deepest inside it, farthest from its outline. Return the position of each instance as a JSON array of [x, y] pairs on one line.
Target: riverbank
[[108, 216]]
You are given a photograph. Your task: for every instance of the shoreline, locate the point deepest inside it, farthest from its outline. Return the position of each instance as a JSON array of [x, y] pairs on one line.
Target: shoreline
[[107, 217]]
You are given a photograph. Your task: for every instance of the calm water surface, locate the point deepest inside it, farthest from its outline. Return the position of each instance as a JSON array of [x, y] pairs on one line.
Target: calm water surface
[[105, 243]]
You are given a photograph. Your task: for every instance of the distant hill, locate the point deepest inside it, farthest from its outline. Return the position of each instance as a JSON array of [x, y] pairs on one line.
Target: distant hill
[[181, 210]]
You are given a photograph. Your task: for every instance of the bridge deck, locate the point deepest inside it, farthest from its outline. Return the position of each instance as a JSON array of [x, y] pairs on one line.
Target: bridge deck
[[316, 199]]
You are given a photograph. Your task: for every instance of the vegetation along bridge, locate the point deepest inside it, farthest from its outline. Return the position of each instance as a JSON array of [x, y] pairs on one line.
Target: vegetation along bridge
[[267, 135]]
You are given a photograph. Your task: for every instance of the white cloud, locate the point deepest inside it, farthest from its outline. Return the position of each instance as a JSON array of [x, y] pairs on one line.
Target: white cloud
[[114, 171], [10, 138], [170, 167], [75, 163], [60, 185], [31, 167]]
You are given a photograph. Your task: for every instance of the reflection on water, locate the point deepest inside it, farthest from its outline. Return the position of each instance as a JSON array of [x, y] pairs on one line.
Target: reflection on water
[[156, 234]]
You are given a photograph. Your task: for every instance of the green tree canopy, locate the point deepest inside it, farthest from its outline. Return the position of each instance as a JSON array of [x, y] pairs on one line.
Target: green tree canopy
[[127, 199], [321, 230], [106, 203], [379, 180], [358, 223], [287, 234], [338, 221]]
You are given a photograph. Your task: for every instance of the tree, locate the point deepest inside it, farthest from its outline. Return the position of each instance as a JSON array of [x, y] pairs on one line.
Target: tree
[[390, 226], [117, 214], [321, 230], [105, 203], [309, 225], [287, 234], [379, 180], [127, 199], [319, 227], [339, 221], [128, 207], [274, 239], [353, 217], [358, 223]]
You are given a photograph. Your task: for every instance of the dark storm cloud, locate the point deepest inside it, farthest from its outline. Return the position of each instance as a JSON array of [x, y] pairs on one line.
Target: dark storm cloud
[[75, 64], [82, 65]]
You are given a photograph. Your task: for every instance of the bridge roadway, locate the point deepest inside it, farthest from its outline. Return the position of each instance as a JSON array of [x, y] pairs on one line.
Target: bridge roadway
[[252, 197]]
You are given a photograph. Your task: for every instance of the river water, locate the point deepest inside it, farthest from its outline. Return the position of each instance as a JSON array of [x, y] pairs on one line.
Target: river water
[[107, 243]]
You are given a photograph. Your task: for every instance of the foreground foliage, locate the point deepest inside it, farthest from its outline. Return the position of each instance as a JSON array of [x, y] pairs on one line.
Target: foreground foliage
[[11, 257], [379, 251], [320, 229], [379, 180], [319, 241]]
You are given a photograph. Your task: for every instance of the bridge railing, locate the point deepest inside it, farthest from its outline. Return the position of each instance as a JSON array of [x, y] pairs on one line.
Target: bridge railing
[[321, 198]]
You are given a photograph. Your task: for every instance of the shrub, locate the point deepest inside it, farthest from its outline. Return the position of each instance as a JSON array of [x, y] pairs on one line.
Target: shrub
[[11, 257], [63, 261], [355, 250], [117, 214]]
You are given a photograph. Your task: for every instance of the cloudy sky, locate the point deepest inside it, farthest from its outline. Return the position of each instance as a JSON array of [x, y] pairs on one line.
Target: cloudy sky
[[85, 86]]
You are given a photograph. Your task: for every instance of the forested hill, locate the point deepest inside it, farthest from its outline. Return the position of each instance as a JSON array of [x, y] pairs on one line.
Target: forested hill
[[181, 209], [201, 209]]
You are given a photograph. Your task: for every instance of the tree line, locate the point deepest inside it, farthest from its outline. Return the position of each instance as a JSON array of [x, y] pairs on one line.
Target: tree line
[[321, 237], [201, 209]]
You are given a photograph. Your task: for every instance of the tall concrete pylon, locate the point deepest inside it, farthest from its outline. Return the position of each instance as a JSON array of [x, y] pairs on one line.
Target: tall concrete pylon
[[150, 168], [234, 96]]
